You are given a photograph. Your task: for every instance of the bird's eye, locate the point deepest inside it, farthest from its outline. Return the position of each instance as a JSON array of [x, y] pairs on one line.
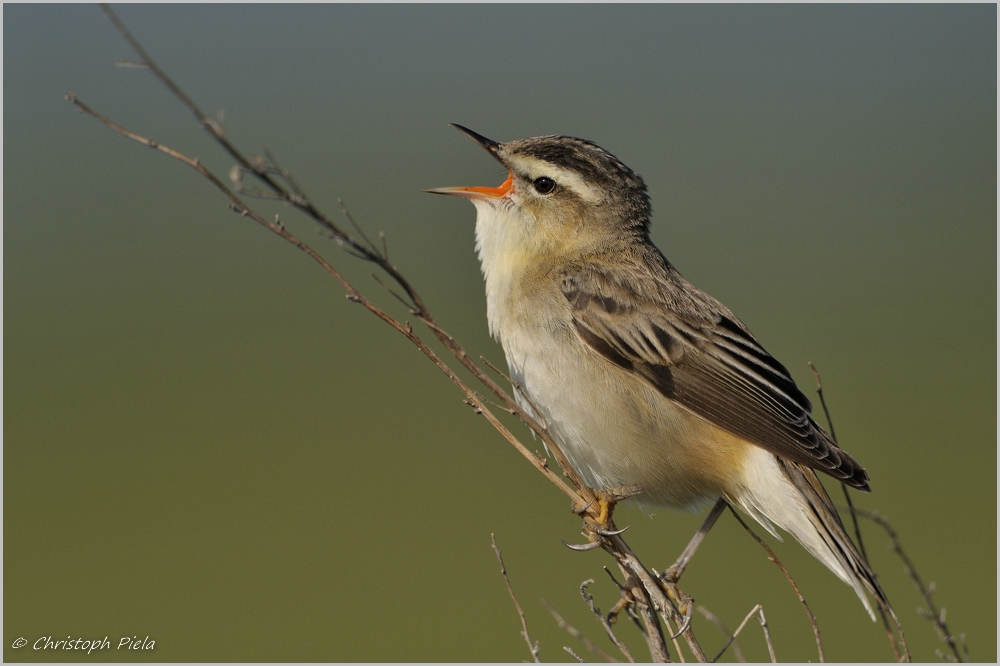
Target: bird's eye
[[544, 185]]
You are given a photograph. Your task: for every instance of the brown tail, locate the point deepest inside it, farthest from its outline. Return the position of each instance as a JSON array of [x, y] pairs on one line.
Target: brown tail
[[830, 529]]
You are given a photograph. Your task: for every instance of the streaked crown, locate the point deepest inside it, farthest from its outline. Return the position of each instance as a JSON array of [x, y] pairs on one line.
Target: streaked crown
[[584, 169]]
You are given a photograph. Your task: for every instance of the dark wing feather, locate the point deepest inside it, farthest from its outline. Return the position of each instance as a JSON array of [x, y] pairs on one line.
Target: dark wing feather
[[697, 353]]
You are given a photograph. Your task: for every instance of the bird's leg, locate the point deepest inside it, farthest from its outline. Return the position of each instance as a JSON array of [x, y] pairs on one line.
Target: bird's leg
[[668, 579], [673, 574], [597, 514]]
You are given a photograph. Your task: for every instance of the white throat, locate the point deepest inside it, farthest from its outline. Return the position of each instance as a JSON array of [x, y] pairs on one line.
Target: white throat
[[505, 238]]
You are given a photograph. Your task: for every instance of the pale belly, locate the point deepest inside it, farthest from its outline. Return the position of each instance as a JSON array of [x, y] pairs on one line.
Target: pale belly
[[617, 430]]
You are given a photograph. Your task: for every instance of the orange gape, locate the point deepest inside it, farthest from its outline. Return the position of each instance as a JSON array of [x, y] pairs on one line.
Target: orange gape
[[504, 188]]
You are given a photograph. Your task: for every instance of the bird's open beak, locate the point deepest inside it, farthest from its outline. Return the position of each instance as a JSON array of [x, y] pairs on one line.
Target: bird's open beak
[[492, 147], [477, 192]]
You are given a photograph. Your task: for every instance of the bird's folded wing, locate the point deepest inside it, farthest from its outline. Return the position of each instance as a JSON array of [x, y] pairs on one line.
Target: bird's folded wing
[[696, 353]]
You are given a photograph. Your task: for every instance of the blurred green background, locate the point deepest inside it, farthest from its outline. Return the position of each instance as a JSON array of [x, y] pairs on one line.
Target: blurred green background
[[206, 444]]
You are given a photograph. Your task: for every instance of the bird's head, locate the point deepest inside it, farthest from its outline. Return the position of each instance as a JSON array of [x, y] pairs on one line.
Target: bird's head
[[562, 194]]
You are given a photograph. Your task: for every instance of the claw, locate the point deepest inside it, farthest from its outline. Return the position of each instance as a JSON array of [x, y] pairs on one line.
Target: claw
[[582, 510], [583, 547], [687, 622], [611, 532], [622, 604]]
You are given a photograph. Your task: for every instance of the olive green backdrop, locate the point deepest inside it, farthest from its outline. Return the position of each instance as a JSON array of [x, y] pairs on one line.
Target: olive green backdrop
[[206, 444]]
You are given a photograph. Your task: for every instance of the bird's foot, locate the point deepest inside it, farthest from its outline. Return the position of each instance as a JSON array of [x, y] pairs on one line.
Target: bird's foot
[[597, 522], [671, 575], [626, 601], [683, 601]]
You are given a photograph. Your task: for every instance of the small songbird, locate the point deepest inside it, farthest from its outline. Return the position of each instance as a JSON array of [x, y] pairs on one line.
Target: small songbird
[[642, 379]]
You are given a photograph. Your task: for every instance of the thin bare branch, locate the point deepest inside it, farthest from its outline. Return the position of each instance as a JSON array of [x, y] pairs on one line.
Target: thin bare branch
[[589, 600], [517, 387], [575, 633], [673, 574], [574, 654], [652, 586], [350, 218], [767, 634], [774, 558], [533, 647], [732, 639], [287, 175], [637, 605], [258, 168], [937, 617], [352, 293], [730, 636], [904, 656], [392, 292]]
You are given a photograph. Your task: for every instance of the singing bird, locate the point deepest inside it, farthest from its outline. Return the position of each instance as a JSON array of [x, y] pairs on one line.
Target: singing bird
[[644, 380]]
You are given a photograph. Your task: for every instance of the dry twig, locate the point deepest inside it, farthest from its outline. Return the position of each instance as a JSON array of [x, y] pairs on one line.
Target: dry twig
[[937, 617], [577, 634], [893, 643], [582, 495], [774, 558], [767, 634], [731, 636], [533, 647], [589, 600]]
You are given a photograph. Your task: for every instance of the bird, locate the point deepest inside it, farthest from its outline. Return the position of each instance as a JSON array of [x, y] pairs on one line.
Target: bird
[[645, 381]]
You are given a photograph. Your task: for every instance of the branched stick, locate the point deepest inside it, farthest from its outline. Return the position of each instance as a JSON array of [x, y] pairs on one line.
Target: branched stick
[[533, 647], [774, 558], [634, 596], [352, 293], [937, 617], [650, 585], [368, 251], [300, 201], [589, 600]]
